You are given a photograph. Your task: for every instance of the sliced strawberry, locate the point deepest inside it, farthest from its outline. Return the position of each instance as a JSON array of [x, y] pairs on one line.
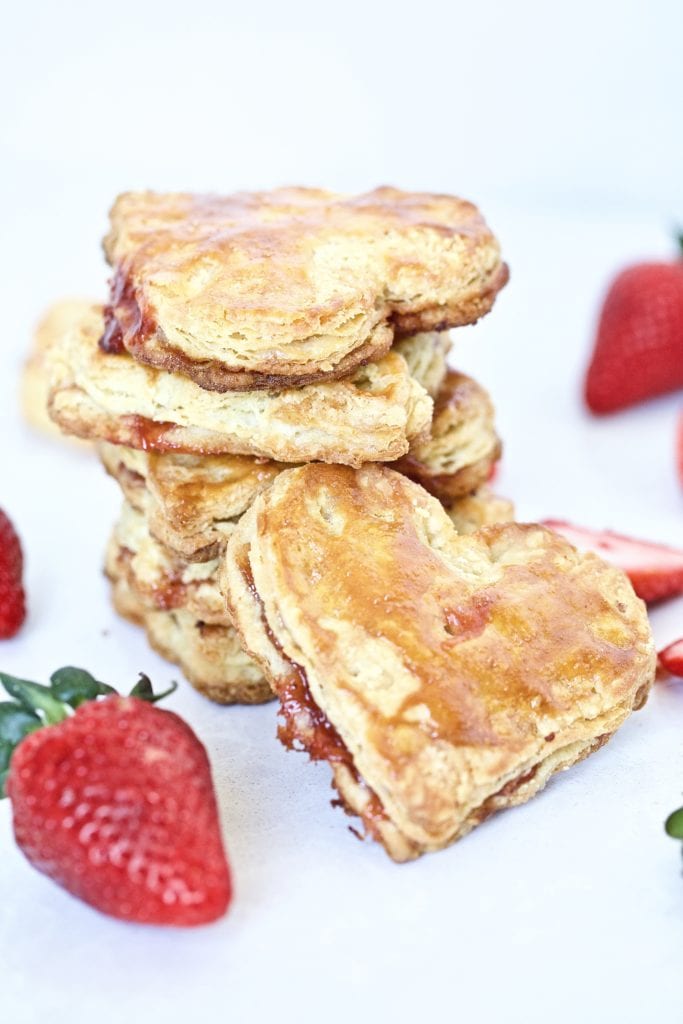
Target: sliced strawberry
[[679, 448], [671, 658], [655, 570]]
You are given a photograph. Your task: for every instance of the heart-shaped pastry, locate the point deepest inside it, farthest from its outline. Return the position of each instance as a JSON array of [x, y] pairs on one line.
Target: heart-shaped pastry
[[443, 676], [283, 288]]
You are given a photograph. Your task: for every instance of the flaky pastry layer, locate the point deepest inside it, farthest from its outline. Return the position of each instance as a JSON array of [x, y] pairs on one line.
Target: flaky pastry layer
[[371, 416], [158, 576], [463, 446], [191, 502], [211, 657]]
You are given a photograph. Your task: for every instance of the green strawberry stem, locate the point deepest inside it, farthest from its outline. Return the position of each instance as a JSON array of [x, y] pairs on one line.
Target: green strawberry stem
[[679, 239], [35, 705]]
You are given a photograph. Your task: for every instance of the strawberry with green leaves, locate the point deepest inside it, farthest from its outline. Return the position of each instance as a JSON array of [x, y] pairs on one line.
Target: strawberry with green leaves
[[112, 798]]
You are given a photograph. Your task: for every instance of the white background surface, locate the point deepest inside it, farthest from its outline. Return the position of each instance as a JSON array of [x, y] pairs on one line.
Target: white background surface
[[564, 124]]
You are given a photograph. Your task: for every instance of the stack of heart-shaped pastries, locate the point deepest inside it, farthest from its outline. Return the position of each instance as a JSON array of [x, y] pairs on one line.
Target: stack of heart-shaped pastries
[[306, 511]]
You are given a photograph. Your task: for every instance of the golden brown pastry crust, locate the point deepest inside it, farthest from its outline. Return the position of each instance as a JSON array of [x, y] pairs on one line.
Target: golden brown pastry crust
[[459, 671], [370, 416], [283, 288], [210, 656], [191, 502], [463, 446]]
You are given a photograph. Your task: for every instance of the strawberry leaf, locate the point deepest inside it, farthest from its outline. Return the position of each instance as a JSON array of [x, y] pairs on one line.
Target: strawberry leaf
[[74, 686], [143, 690], [6, 749], [674, 824], [34, 697], [16, 722]]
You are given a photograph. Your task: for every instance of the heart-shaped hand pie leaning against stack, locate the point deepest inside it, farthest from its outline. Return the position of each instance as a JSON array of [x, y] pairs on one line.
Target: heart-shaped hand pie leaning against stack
[[444, 677]]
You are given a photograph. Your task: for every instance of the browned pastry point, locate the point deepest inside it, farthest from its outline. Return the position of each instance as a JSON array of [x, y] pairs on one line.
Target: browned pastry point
[[463, 447], [443, 676], [190, 502], [283, 288]]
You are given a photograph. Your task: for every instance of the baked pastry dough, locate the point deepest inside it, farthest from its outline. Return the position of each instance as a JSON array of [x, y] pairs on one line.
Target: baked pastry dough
[[444, 677], [463, 446], [370, 416], [210, 656], [35, 385], [283, 288], [481, 508], [191, 502], [158, 577]]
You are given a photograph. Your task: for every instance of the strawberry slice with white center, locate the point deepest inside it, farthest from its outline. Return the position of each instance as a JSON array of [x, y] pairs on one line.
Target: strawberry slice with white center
[[671, 658], [655, 570]]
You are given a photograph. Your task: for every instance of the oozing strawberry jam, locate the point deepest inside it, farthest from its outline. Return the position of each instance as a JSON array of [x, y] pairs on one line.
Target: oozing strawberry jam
[[123, 315], [304, 726]]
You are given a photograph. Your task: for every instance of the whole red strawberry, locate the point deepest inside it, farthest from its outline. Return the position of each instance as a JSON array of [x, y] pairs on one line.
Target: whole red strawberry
[[12, 598], [114, 802], [639, 346]]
